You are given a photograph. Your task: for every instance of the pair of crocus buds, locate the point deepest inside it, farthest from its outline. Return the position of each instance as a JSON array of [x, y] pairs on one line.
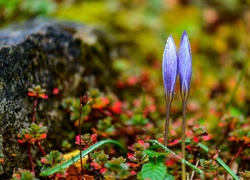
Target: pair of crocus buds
[[175, 63]]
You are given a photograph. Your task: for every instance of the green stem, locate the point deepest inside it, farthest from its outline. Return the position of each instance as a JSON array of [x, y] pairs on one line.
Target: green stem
[[168, 106], [220, 161], [183, 144], [178, 157]]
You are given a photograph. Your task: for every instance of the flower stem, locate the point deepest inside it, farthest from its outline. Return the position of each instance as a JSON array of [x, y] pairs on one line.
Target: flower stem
[[34, 109], [30, 159], [38, 144], [168, 106], [183, 145], [80, 134], [237, 154]]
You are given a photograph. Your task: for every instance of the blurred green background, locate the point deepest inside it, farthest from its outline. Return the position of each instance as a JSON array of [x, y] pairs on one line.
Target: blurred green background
[[218, 32]]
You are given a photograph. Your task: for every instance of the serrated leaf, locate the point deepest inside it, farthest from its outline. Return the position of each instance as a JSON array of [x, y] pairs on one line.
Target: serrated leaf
[[155, 157], [151, 171], [152, 153]]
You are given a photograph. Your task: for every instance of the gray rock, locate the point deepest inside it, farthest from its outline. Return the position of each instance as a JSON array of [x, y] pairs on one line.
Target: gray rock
[[68, 56]]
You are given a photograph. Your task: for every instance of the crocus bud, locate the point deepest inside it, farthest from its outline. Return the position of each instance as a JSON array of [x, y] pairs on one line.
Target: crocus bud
[[169, 68], [185, 66]]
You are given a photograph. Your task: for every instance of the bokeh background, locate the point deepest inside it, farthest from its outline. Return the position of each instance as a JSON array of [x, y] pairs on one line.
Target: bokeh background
[[218, 32]]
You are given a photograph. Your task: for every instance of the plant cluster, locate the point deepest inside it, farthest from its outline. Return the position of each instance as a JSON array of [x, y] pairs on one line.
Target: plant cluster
[[105, 119], [144, 159], [32, 136]]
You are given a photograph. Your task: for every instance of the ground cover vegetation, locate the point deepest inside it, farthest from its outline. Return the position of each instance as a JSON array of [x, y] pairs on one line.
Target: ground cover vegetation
[[120, 132]]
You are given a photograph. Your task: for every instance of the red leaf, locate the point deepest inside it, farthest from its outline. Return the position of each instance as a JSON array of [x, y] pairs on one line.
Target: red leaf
[[55, 91], [21, 141], [43, 136], [196, 139], [100, 103], [132, 164], [43, 96], [28, 136], [96, 165], [31, 94], [116, 107]]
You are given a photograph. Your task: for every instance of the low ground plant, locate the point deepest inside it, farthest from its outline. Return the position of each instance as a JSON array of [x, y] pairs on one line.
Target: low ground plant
[[117, 139]]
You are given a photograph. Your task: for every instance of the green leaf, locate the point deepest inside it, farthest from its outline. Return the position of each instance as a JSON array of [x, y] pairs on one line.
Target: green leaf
[[235, 111], [221, 162], [155, 142], [155, 156], [169, 177], [152, 153], [153, 171], [74, 159]]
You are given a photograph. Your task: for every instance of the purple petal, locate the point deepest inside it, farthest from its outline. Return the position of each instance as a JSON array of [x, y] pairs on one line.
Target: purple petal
[[185, 65], [169, 67]]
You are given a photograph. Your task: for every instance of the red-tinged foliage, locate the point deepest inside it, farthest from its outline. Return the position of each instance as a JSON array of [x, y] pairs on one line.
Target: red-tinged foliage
[[103, 170], [196, 139], [213, 153], [132, 173], [86, 140], [43, 135], [55, 91], [96, 165], [131, 156], [28, 136], [116, 107], [42, 95], [130, 164], [132, 80], [171, 161], [206, 138], [43, 160], [100, 102], [21, 141], [2, 160], [173, 143]]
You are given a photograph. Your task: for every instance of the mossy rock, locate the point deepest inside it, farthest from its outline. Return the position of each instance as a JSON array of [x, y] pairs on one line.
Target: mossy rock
[[69, 56]]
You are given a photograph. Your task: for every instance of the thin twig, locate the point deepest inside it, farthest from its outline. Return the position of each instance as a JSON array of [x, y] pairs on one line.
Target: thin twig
[[80, 134], [30, 159], [193, 172], [237, 154], [38, 144]]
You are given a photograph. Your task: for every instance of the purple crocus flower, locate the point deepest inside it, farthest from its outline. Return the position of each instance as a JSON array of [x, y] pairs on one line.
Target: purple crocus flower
[[169, 68], [185, 66]]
